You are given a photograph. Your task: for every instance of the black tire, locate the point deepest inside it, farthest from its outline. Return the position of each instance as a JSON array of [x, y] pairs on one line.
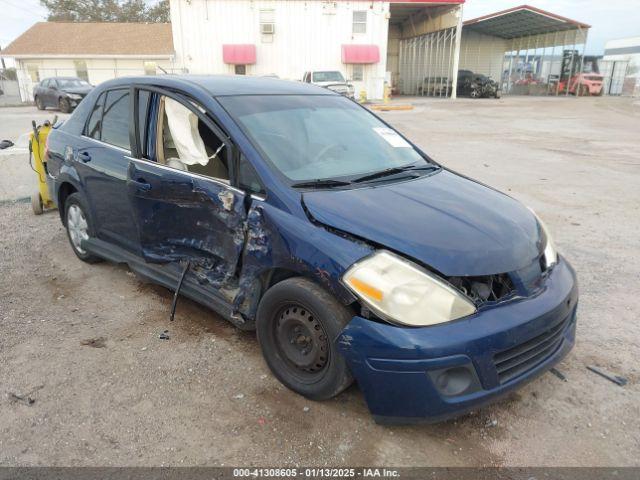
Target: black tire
[[75, 199], [583, 91], [36, 203], [63, 105], [39, 103], [311, 319]]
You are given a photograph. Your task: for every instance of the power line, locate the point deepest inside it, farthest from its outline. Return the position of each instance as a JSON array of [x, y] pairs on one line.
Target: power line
[[20, 7]]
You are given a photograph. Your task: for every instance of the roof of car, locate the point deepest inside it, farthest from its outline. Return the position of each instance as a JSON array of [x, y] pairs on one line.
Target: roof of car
[[225, 85]]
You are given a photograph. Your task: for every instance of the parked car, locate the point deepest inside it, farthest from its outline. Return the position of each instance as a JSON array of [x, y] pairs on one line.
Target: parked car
[[476, 85], [331, 79], [63, 93], [291, 210]]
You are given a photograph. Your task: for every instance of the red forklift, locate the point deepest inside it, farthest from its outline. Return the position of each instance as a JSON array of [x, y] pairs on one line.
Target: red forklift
[[580, 75]]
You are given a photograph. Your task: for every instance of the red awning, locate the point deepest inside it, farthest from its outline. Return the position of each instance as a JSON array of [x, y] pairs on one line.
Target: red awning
[[360, 54], [239, 54]]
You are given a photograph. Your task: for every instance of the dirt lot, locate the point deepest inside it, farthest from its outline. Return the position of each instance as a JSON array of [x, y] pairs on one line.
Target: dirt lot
[[206, 397]]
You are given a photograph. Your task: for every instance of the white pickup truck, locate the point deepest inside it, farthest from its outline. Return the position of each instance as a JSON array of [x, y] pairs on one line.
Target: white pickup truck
[[331, 79]]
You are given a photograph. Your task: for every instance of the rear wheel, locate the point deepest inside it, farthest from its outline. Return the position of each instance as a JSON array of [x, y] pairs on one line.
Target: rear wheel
[[79, 227], [583, 91], [39, 103], [63, 105], [297, 325], [36, 203]]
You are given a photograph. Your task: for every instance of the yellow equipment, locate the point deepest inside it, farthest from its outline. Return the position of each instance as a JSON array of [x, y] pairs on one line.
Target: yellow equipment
[[41, 199]]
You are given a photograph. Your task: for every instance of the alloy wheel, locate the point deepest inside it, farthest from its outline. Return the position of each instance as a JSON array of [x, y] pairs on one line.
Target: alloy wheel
[[78, 227]]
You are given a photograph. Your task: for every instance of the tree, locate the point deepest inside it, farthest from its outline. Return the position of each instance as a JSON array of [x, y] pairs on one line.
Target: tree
[[106, 11]]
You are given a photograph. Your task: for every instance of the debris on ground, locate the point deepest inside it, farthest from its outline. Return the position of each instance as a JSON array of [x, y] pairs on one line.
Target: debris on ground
[[492, 422], [239, 396], [25, 399], [99, 342], [306, 409], [612, 378], [558, 374], [164, 335]]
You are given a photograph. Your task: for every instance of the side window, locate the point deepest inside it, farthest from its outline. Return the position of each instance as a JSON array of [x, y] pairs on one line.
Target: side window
[[95, 119], [186, 143], [115, 119], [45, 83], [248, 178]]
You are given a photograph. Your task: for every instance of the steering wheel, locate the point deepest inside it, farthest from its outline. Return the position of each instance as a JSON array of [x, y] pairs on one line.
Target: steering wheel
[[324, 151]]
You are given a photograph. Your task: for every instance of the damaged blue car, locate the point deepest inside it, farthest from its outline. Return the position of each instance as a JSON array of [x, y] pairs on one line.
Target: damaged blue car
[[293, 211]]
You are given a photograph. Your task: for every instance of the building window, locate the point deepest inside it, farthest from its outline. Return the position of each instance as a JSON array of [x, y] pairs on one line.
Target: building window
[[267, 25], [34, 72], [81, 70], [150, 68], [240, 69], [357, 74], [360, 22]]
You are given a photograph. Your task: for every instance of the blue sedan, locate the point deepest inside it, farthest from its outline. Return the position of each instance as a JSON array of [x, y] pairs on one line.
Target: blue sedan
[[293, 211]]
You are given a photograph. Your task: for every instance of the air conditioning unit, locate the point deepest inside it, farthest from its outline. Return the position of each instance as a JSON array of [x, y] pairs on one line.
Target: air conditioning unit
[[267, 28]]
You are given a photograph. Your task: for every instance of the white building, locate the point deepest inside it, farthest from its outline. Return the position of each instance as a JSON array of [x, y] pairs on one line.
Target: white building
[[360, 38], [93, 51], [622, 64]]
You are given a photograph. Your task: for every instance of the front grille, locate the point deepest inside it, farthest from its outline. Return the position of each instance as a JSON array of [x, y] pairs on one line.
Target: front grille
[[517, 360]]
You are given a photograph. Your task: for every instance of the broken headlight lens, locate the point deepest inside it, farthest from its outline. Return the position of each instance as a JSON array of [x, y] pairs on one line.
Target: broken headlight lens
[[401, 292], [550, 254]]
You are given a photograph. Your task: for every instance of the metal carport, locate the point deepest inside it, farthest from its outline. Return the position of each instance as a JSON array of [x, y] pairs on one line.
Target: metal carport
[[523, 48]]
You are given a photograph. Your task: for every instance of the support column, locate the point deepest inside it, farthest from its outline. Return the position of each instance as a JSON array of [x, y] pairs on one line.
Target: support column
[[456, 56]]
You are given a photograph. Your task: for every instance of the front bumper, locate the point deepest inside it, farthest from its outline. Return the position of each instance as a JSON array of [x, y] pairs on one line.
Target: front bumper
[[501, 347]]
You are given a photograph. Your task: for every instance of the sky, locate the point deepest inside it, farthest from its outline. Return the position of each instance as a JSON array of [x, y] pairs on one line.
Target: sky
[[610, 19]]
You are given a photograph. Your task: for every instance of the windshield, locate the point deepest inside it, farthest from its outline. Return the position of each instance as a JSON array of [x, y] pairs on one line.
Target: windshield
[[311, 137], [72, 82], [327, 77]]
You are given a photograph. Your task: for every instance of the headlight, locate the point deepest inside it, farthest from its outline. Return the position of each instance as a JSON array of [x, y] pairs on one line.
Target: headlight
[[74, 96], [401, 292], [550, 253]]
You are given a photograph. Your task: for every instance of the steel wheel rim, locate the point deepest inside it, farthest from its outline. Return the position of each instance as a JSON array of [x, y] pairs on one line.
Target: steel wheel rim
[[78, 228], [301, 342]]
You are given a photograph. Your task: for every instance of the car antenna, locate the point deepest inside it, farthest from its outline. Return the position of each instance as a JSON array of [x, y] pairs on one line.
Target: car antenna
[[177, 292]]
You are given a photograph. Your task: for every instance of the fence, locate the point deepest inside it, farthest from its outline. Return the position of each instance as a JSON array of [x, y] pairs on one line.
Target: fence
[[28, 78], [9, 92], [426, 64]]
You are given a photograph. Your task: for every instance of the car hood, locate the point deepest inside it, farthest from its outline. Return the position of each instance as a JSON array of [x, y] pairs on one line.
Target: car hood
[[452, 224], [78, 90]]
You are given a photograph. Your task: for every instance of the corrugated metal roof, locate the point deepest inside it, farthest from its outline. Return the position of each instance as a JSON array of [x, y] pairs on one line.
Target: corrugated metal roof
[[522, 21], [85, 39]]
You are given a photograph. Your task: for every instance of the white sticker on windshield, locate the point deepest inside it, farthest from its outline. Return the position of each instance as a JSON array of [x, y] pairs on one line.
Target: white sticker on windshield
[[392, 137]]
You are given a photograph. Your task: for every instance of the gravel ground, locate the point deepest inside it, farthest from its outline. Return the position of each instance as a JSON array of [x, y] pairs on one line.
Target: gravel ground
[[82, 340]]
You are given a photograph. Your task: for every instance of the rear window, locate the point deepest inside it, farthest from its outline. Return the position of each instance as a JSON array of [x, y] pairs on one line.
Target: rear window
[[115, 119]]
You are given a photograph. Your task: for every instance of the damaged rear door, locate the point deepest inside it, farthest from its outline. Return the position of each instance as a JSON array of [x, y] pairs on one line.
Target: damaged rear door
[[180, 191]]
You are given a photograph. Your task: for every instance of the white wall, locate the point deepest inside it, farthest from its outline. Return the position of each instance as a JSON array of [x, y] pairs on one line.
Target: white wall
[[306, 37], [482, 53], [99, 69]]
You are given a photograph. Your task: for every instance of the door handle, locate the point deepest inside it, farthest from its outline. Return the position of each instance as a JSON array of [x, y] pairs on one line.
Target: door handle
[[84, 157], [141, 184]]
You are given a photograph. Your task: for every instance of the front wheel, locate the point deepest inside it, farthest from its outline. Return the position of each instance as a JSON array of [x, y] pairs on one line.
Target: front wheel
[[39, 103], [297, 325], [63, 105]]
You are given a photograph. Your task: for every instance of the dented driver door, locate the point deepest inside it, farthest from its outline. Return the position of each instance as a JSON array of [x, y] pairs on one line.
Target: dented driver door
[[183, 216], [178, 183]]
